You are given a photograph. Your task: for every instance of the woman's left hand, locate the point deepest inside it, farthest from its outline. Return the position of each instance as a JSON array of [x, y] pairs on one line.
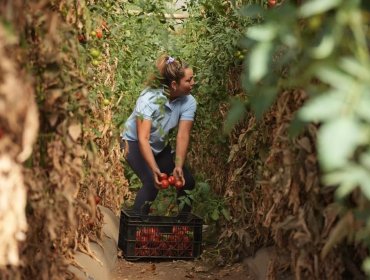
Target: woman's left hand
[[179, 174]]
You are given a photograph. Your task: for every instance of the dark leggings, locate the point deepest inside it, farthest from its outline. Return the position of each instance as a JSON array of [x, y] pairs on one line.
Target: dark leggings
[[148, 192]]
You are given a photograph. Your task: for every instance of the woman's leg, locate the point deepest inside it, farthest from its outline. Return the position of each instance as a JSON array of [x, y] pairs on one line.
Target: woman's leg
[[148, 192]]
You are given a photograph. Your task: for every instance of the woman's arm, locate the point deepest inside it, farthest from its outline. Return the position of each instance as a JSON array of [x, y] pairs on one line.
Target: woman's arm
[[182, 143], [143, 133]]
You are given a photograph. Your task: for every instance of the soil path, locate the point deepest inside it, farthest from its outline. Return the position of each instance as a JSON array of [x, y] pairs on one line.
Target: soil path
[[177, 270]]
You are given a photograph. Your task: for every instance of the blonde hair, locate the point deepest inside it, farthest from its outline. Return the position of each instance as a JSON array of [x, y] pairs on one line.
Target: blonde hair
[[167, 69]]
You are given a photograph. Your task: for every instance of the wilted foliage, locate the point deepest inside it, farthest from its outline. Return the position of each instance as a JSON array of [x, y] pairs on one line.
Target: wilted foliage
[[69, 165], [18, 130]]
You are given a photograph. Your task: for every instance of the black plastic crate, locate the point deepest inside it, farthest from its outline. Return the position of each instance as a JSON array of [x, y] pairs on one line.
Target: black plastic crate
[[159, 237]]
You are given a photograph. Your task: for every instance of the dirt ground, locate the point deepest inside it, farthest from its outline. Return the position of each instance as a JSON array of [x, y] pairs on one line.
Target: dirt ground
[[177, 270]]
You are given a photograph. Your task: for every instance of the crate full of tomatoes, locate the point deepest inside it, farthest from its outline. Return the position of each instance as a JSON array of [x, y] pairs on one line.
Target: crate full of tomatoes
[[160, 237]]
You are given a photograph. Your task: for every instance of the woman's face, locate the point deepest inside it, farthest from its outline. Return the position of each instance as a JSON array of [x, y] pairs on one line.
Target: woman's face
[[185, 85]]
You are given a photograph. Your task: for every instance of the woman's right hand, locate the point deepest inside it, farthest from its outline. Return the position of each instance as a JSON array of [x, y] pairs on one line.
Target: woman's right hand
[[157, 178]]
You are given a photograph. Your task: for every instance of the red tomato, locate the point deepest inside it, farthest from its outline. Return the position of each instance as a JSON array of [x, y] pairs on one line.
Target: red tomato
[[171, 180], [81, 38], [178, 184], [163, 176], [97, 199], [271, 3], [99, 33], [165, 184]]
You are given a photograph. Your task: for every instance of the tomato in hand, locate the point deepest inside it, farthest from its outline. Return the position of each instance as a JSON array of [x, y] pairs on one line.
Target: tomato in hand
[[178, 184], [171, 180], [165, 184], [163, 176]]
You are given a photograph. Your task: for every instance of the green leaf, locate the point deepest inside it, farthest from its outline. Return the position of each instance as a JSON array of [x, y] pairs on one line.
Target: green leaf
[[336, 78], [204, 187], [215, 216], [365, 185], [226, 214], [352, 66], [366, 265], [324, 107], [365, 159], [262, 100], [347, 179], [325, 48], [262, 33], [337, 141], [314, 7], [236, 113], [181, 205], [362, 109], [187, 201], [259, 60]]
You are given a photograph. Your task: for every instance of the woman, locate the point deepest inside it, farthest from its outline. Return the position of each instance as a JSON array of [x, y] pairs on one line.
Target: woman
[[165, 104]]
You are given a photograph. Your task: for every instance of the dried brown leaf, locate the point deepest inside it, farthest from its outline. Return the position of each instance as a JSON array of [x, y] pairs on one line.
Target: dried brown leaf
[[75, 131]]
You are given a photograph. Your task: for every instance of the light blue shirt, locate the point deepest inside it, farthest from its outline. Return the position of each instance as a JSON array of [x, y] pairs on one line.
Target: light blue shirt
[[153, 105]]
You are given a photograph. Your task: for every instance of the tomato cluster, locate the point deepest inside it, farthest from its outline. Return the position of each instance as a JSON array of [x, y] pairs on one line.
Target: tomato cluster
[[167, 181], [175, 242], [271, 3]]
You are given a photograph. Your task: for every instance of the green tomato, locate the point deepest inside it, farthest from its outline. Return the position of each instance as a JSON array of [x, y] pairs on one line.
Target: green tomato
[[237, 53], [106, 102], [95, 53], [315, 22], [95, 62]]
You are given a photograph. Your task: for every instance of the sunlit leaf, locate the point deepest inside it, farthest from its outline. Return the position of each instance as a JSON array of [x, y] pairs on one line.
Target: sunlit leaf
[[347, 179], [365, 185], [324, 107], [365, 159], [325, 47], [364, 104], [262, 33], [335, 78], [290, 40], [337, 140], [366, 265], [314, 7], [259, 60], [352, 66]]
